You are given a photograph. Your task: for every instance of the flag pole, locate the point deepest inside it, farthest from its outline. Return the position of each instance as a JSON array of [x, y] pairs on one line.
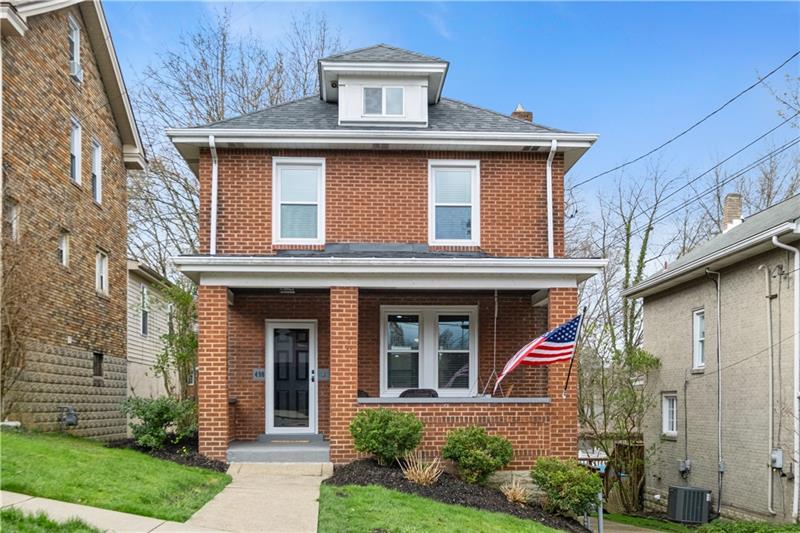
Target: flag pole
[[572, 359]]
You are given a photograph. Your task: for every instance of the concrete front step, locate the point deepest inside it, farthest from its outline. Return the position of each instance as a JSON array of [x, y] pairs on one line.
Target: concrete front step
[[280, 450], [324, 470]]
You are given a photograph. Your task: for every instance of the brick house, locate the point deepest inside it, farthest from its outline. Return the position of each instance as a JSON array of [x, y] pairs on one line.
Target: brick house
[[69, 138], [723, 320], [376, 239]]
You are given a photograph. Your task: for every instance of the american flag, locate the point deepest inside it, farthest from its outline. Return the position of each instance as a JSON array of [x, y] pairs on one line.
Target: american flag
[[554, 346]]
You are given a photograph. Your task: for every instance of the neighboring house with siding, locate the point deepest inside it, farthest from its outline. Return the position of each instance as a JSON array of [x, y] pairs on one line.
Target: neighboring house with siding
[[69, 138], [728, 450], [373, 240]]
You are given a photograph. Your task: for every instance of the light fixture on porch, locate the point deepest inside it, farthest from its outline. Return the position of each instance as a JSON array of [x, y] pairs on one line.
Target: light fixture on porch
[[286, 290]]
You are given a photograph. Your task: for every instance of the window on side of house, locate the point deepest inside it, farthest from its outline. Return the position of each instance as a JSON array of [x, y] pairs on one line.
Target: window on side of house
[[298, 201], [144, 305], [97, 367], [101, 273], [74, 37], [63, 248], [97, 172], [383, 101], [454, 203], [699, 339], [75, 152], [10, 219], [669, 414], [429, 347]]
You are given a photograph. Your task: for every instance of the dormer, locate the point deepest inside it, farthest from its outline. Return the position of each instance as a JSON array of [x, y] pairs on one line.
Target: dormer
[[382, 86]]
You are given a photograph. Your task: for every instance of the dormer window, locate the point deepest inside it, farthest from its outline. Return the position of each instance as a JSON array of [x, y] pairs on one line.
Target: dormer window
[[383, 101]]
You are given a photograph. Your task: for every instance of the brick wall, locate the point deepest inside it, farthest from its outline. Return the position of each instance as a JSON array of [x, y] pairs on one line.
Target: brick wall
[[212, 372], [63, 313], [344, 369], [382, 196]]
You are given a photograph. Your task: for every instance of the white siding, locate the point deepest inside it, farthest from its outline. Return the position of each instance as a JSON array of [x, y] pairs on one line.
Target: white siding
[[415, 102], [143, 349]]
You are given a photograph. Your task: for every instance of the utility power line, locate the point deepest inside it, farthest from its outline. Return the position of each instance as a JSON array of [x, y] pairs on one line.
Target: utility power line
[[690, 128]]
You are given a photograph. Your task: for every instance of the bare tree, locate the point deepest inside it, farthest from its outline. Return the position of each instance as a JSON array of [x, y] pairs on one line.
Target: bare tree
[[210, 75]]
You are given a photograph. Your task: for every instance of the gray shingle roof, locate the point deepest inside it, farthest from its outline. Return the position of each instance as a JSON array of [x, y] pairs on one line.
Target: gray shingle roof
[[314, 114], [383, 52]]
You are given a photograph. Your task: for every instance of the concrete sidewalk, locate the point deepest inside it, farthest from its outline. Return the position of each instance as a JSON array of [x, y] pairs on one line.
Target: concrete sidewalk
[[267, 498], [102, 519]]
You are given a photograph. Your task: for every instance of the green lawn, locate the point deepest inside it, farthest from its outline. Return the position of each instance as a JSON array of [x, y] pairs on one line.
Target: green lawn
[[364, 509], [84, 471], [647, 523], [15, 521]]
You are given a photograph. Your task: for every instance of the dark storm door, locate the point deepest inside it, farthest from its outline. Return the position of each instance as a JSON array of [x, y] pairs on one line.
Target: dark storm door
[[291, 377]]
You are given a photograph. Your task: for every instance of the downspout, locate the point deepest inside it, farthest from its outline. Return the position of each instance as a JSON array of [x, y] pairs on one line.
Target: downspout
[[771, 395], [720, 463], [549, 176], [796, 357], [214, 187]]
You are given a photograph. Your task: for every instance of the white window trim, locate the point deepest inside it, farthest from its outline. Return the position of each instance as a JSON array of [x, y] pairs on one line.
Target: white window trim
[[63, 245], [475, 166], [97, 168], [144, 304], [76, 71], [276, 199], [697, 352], [75, 148], [383, 112], [101, 273], [429, 349], [12, 218], [665, 429]]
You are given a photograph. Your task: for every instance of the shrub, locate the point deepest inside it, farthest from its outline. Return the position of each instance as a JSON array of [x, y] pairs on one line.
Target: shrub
[[516, 492], [154, 420], [385, 433], [723, 526], [569, 488], [477, 454], [418, 471]]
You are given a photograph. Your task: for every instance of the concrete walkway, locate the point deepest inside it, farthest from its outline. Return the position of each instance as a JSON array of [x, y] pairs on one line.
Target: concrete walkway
[[102, 519], [264, 497]]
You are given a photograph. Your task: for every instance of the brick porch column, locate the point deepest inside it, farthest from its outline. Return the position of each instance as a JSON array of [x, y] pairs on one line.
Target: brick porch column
[[344, 370], [212, 378], [562, 305]]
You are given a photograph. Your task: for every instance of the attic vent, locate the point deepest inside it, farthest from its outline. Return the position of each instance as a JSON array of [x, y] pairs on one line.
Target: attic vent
[[380, 146]]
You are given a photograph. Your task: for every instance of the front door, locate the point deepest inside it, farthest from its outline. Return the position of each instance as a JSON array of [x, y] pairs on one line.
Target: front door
[[291, 369]]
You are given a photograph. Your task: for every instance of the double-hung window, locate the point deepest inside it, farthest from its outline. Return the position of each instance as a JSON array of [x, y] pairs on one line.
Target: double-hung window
[[97, 172], [383, 101], [75, 151], [429, 347], [144, 305], [454, 203], [699, 339], [63, 248], [669, 414], [298, 201], [74, 36], [101, 273]]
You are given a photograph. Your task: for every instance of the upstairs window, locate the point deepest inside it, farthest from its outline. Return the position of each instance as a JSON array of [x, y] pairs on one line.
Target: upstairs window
[[75, 69], [383, 101], [453, 207], [101, 273], [298, 206], [11, 219], [699, 339], [97, 172], [63, 248], [144, 305], [75, 152]]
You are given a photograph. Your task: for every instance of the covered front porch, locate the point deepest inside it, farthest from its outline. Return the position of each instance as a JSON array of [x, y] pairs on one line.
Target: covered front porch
[[294, 362]]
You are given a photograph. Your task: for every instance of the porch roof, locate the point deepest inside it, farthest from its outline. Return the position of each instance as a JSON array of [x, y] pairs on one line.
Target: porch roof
[[473, 273]]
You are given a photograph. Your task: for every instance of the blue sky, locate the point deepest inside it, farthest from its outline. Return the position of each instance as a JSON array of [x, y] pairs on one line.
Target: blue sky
[[634, 73]]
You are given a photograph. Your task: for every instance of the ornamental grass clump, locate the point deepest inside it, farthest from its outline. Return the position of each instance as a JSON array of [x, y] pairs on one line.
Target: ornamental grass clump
[[570, 489], [417, 470], [476, 453], [386, 434], [516, 492]]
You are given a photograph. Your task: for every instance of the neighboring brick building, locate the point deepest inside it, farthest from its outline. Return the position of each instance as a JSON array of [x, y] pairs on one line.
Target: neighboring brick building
[[68, 138], [689, 433], [358, 243]]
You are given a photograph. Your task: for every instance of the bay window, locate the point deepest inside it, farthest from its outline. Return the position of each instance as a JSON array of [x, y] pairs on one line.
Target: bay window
[[454, 203], [429, 347], [298, 200]]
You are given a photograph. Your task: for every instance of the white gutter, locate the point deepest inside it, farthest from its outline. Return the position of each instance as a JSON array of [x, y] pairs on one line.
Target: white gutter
[[214, 191], [549, 174], [796, 357]]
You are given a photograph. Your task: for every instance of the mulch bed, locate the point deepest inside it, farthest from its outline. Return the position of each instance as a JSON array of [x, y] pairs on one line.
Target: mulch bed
[[448, 489], [183, 452]]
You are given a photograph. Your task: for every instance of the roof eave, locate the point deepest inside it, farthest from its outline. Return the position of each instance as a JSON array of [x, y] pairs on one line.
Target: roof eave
[[727, 256]]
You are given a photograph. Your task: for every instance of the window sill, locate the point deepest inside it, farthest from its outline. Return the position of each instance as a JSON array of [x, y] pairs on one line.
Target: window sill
[[444, 400], [700, 370], [103, 295], [77, 184], [97, 204], [669, 438]]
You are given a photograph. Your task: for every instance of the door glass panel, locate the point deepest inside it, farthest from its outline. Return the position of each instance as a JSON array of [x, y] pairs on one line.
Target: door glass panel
[[292, 387]]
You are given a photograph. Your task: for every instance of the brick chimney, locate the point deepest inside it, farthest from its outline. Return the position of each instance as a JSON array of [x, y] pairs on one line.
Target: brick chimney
[[521, 114], [731, 211]]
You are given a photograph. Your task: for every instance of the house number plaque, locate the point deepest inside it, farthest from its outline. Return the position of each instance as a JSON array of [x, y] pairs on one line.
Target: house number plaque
[[258, 374], [324, 374]]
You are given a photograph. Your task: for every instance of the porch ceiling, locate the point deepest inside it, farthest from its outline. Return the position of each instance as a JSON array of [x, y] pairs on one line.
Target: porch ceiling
[[388, 273]]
